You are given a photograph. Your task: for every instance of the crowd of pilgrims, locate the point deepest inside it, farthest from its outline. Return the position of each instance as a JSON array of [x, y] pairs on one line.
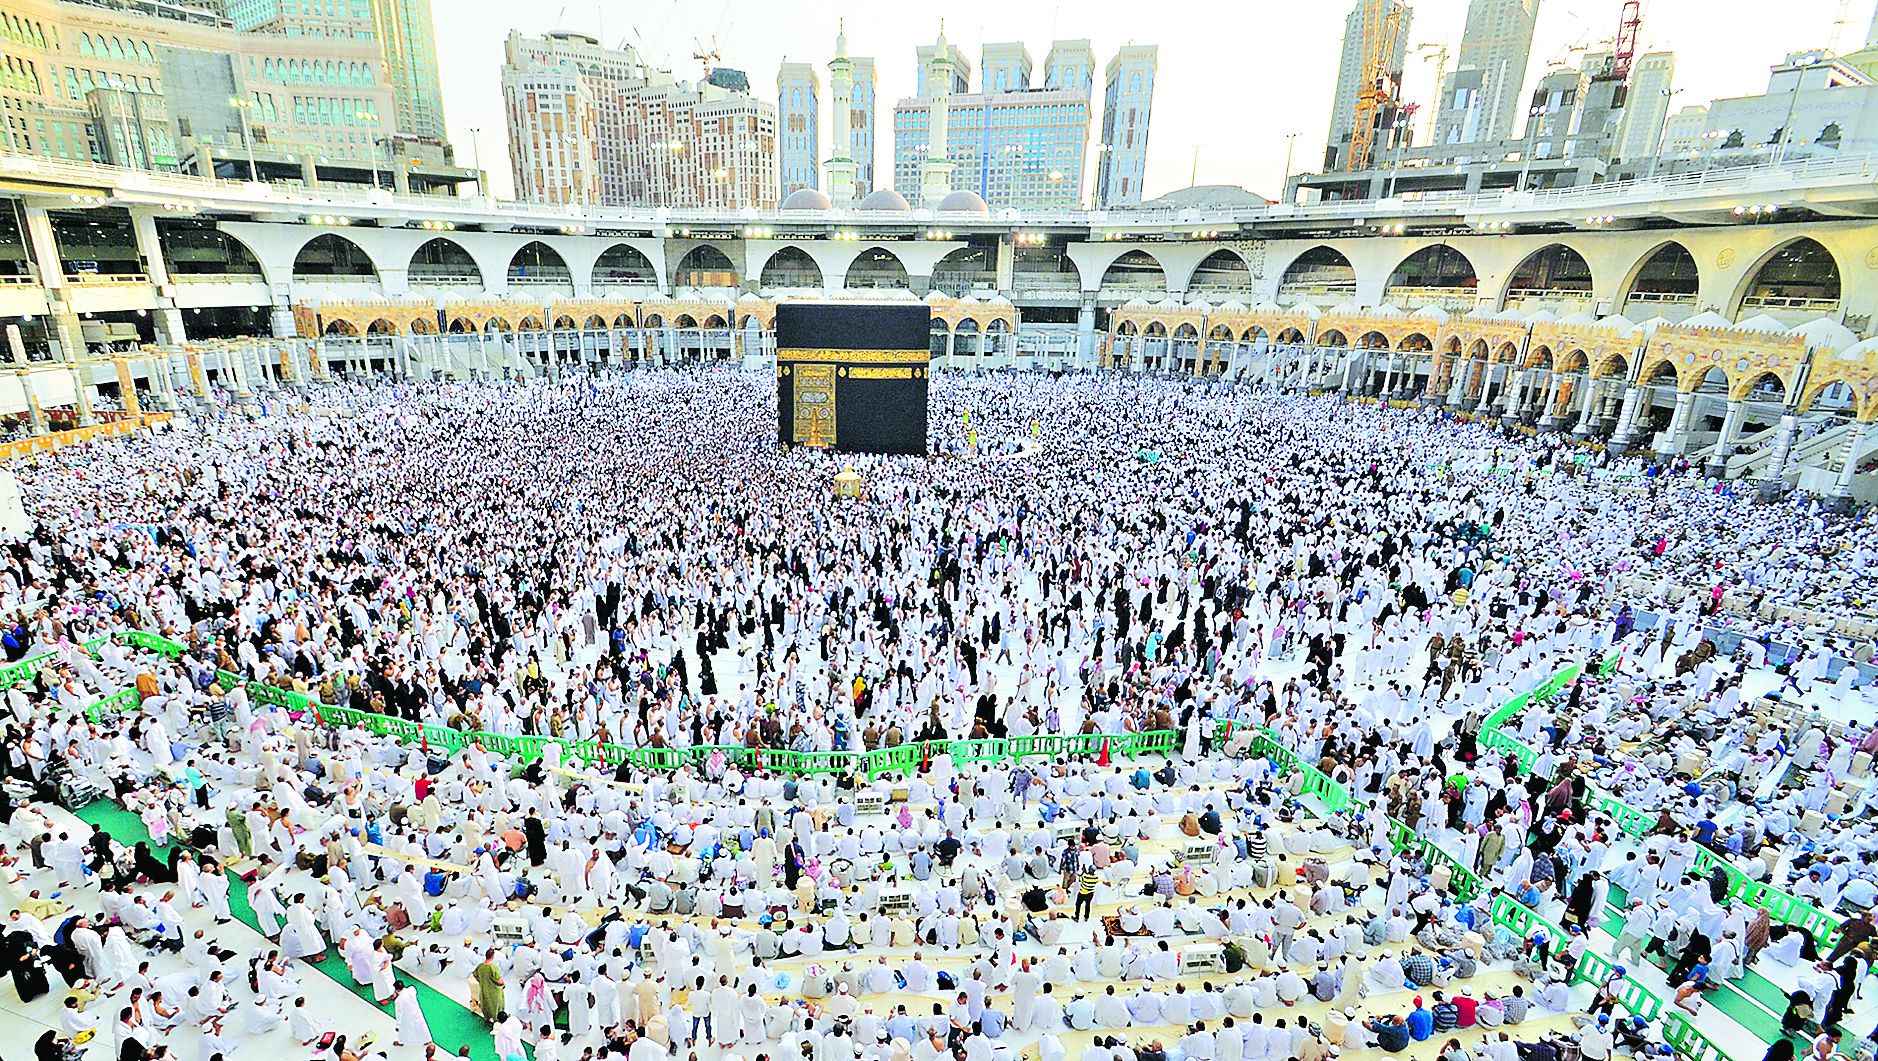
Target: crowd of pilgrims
[[630, 559]]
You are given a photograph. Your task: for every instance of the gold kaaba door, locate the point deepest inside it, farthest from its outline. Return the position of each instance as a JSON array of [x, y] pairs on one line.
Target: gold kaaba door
[[815, 405]]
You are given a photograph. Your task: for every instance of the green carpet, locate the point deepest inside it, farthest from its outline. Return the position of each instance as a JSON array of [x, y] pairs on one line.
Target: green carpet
[[452, 1025]]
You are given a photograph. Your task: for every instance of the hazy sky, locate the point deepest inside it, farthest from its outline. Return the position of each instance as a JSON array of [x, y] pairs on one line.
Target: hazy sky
[[1236, 76]]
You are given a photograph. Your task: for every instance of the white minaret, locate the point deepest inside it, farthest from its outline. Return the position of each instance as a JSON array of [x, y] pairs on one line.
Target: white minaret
[[935, 174], [841, 167]]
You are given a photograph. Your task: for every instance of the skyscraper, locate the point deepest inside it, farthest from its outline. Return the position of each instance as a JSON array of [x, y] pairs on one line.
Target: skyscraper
[[1004, 67], [408, 39], [577, 108], [1023, 147], [1070, 65], [1646, 106], [1350, 79], [1127, 102], [798, 133], [861, 125], [402, 30], [1480, 99]]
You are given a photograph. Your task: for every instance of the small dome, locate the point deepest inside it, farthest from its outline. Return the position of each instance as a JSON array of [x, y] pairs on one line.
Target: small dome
[[1578, 319], [1431, 313], [749, 296], [1826, 332], [1136, 303], [1389, 310], [1232, 306], [1708, 319], [962, 202], [997, 300], [1763, 323], [808, 199], [1200, 306], [937, 297], [885, 199]]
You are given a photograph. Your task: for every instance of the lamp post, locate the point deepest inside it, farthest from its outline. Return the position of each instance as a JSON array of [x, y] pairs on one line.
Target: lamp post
[[1291, 142], [371, 120], [242, 106], [476, 154], [1793, 103]]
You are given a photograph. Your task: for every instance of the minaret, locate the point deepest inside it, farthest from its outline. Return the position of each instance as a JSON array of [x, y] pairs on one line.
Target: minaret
[[841, 167], [935, 174]]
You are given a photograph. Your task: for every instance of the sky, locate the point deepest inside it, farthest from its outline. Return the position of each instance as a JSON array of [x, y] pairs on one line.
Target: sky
[[1237, 77]]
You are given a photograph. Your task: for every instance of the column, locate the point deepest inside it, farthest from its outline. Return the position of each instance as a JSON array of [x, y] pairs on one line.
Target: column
[[1679, 422], [1588, 407], [1006, 266], [1855, 443], [35, 414], [1085, 334], [43, 246], [1627, 418], [1547, 417], [169, 319], [1486, 388], [1783, 447], [1725, 445], [1457, 381], [280, 314], [1388, 376], [126, 386]]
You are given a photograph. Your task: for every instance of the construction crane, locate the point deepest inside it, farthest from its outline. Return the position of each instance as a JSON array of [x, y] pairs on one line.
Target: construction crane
[[707, 56], [1624, 50], [1377, 96]]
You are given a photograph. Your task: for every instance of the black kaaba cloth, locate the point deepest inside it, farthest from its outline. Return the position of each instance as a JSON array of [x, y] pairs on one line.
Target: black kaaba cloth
[[852, 376]]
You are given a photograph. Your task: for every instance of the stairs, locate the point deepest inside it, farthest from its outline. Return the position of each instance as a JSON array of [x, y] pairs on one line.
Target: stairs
[[1822, 451]]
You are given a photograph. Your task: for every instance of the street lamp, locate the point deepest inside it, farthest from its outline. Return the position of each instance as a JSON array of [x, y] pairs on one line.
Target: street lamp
[[1291, 141], [371, 120], [1786, 129], [242, 107]]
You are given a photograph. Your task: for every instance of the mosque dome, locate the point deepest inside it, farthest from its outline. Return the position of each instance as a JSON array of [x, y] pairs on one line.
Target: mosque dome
[[962, 202], [884, 199], [808, 199]]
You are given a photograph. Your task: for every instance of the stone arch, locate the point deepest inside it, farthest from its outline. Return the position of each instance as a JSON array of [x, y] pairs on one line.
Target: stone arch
[[790, 266], [624, 265], [712, 320], [1838, 387], [964, 269], [330, 256], [1550, 273], [1333, 337], [530, 323], [1574, 360], [1321, 274], [461, 326], [705, 266], [877, 267], [443, 261], [1136, 270], [382, 326], [594, 323], [1611, 364], [1749, 387], [1799, 275], [1373, 341], [624, 320], [1434, 274], [539, 264], [564, 323], [341, 327], [1222, 272], [498, 324], [1415, 342], [1540, 356], [1667, 274]]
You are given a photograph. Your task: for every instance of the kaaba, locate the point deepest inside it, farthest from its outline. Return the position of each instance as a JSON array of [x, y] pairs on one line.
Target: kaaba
[[852, 376]]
